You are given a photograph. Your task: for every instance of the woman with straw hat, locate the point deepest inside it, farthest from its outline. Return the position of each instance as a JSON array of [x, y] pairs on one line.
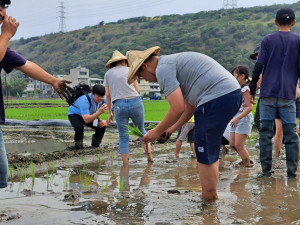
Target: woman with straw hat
[[194, 84], [126, 101]]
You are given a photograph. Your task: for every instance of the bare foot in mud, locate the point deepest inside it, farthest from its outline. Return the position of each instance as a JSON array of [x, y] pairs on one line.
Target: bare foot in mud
[[246, 163], [209, 197]]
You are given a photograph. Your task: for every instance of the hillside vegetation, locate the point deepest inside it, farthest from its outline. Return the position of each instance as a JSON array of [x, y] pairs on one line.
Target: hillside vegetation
[[227, 36]]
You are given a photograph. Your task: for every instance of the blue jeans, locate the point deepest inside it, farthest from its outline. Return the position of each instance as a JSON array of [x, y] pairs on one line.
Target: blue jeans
[[287, 112], [3, 163], [285, 107], [125, 109]]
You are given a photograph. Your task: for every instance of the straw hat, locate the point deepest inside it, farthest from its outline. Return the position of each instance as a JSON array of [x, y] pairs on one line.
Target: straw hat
[[117, 56], [135, 60]]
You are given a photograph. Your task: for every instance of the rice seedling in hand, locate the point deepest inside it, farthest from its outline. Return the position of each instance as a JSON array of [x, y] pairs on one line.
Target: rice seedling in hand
[[134, 131]]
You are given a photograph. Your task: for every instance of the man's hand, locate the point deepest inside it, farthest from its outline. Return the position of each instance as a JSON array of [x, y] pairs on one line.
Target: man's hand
[[103, 123], [62, 88], [151, 136], [252, 99], [111, 118], [164, 137], [103, 108], [9, 27]]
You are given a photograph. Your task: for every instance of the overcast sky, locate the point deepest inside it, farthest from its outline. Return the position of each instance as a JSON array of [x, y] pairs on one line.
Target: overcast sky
[[39, 17]]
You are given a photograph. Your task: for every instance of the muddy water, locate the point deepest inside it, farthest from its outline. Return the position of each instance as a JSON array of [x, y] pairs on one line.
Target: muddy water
[[83, 191]]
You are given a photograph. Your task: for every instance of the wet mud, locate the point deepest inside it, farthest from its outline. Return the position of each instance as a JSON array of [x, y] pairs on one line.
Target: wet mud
[[91, 186]]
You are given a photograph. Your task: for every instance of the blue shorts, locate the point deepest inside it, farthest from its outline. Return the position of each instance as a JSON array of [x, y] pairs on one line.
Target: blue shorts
[[244, 126], [211, 119]]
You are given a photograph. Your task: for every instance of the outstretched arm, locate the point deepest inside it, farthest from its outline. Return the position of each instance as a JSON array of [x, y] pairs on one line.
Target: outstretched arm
[[175, 111], [36, 72]]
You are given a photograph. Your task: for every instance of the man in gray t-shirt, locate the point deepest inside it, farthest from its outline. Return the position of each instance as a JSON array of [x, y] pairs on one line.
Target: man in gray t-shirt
[[193, 84]]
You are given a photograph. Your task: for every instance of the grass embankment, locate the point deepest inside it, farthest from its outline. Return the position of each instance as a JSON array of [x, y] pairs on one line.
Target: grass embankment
[[58, 109]]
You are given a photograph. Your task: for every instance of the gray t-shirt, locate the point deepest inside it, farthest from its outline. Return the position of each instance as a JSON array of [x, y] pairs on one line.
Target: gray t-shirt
[[116, 80], [201, 78]]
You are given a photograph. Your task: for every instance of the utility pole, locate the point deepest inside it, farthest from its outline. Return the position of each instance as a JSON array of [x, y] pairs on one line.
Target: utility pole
[[62, 24], [229, 4]]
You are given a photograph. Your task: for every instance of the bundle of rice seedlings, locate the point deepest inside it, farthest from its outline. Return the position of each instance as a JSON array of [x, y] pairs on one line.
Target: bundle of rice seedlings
[[134, 131]]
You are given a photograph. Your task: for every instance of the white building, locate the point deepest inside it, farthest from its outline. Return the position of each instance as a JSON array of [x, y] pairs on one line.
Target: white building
[[82, 75]]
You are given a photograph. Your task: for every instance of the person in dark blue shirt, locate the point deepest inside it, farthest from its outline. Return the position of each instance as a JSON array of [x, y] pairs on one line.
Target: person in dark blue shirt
[[279, 62], [10, 60]]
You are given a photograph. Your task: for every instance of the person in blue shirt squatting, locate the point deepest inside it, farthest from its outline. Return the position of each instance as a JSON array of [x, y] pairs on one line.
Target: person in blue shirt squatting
[[279, 59], [193, 84], [86, 111], [10, 60]]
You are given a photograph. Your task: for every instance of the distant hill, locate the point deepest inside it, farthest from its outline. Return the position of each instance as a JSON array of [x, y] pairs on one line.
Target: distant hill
[[227, 36]]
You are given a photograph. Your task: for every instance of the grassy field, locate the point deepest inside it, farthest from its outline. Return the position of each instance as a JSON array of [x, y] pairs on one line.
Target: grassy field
[[58, 109]]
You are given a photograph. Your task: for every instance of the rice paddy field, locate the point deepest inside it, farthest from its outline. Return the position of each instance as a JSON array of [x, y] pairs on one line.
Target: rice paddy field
[[58, 109]]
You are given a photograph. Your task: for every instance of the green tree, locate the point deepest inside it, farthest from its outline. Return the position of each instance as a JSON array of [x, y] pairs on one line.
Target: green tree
[[17, 86]]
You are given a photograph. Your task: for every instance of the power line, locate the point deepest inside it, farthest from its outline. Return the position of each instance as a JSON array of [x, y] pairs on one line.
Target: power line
[[62, 24]]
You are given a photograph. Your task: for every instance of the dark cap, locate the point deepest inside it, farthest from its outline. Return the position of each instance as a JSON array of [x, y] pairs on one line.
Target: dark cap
[[285, 14], [255, 53], [5, 3]]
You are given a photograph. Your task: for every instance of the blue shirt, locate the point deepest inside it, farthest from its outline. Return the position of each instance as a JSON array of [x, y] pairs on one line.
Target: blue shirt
[[10, 61], [280, 54], [82, 106]]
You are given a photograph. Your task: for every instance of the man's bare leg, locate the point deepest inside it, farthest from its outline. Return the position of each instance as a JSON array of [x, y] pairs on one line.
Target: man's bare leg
[[209, 175]]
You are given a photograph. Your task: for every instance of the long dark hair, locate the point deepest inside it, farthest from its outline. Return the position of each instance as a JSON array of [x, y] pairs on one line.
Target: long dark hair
[[240, 70]]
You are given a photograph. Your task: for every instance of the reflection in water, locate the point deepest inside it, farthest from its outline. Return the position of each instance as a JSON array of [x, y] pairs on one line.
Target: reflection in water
[[34, 146], [138, 193]]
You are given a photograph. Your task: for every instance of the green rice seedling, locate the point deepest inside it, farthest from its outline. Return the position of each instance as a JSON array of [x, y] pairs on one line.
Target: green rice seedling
[[122, 182], [83, 162], [10, 169], [134, 131], [161, 148], [67, 180], [99, 157], [107, 183], [169, 144], [32, 172], [111, 156], [140, 152], [53, 167], [22, 174], [99, 161], [69, 162], [48, 178], [85, 179]]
